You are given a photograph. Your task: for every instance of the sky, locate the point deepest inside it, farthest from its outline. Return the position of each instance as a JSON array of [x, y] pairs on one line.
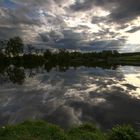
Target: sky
[[84, 25]]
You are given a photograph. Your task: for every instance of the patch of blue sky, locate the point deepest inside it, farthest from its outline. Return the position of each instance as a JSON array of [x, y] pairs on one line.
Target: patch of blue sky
[[8, 4]]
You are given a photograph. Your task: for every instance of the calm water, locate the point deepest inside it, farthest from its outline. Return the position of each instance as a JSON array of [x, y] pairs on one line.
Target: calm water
[[102, 96]]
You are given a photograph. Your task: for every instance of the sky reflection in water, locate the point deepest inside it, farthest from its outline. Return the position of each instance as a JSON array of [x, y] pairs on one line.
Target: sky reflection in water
[[102, 96]]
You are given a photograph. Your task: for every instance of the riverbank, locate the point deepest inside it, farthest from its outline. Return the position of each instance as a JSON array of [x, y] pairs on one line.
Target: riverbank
[[41, 130]]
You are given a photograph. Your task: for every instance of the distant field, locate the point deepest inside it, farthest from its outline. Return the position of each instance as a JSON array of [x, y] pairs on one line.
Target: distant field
[[130, 58]]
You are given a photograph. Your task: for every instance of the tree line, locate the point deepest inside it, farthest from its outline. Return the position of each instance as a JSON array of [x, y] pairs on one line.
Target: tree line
[[15, 46], [13, 51]]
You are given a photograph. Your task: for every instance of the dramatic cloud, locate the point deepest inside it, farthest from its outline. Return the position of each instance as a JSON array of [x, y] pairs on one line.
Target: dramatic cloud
[[73, 24], [134, 29], [120, 10]]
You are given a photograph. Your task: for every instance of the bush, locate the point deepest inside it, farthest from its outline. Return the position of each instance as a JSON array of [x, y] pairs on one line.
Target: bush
[[86, 132], [40, 130], [29, 130], [124, 132]]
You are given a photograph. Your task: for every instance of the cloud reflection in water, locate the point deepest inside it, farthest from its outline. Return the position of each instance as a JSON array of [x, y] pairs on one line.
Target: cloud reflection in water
[[105, 97]]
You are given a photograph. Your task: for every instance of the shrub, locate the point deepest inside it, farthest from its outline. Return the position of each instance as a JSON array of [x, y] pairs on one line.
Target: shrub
[[124, 132], [86, 132], [30, 130]]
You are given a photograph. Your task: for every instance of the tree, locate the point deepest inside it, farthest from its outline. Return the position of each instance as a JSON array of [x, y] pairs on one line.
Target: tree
[[14, 46], [47, 54], [30, 49], [16, 75], [124, 132], [115, 53]]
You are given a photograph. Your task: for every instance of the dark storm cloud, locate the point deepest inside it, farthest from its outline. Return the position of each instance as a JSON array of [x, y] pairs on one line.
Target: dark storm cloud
[[16, 19], [120, 10], [13, 18], [22, 13], [106, 44], [134, 29], [10, 32], [72, 40], [89, 4], [96, 20], [41, 3], [126, 10], [34, 19], [81, 6], [64, 39], [52, 36]]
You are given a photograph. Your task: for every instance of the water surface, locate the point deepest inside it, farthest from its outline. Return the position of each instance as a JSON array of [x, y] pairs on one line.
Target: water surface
[[103, 96]]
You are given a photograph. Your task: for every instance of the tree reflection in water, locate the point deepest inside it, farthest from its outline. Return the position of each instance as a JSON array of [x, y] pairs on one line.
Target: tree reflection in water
[[16, 75]]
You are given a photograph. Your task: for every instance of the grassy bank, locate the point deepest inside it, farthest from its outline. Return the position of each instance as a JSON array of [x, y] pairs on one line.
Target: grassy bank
[[40, 130]]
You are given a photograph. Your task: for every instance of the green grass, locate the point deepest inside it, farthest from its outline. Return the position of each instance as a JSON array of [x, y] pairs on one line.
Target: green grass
[[135, 58], [28, 130], [40, 130]]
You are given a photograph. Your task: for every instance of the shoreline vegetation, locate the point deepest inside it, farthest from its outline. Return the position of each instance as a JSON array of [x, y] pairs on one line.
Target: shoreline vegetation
[[13, 52], [14, 61], [41, 130]]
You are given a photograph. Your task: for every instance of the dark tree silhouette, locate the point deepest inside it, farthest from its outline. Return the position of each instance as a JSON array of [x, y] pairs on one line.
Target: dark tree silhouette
[[14, 46], [16, 75]]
